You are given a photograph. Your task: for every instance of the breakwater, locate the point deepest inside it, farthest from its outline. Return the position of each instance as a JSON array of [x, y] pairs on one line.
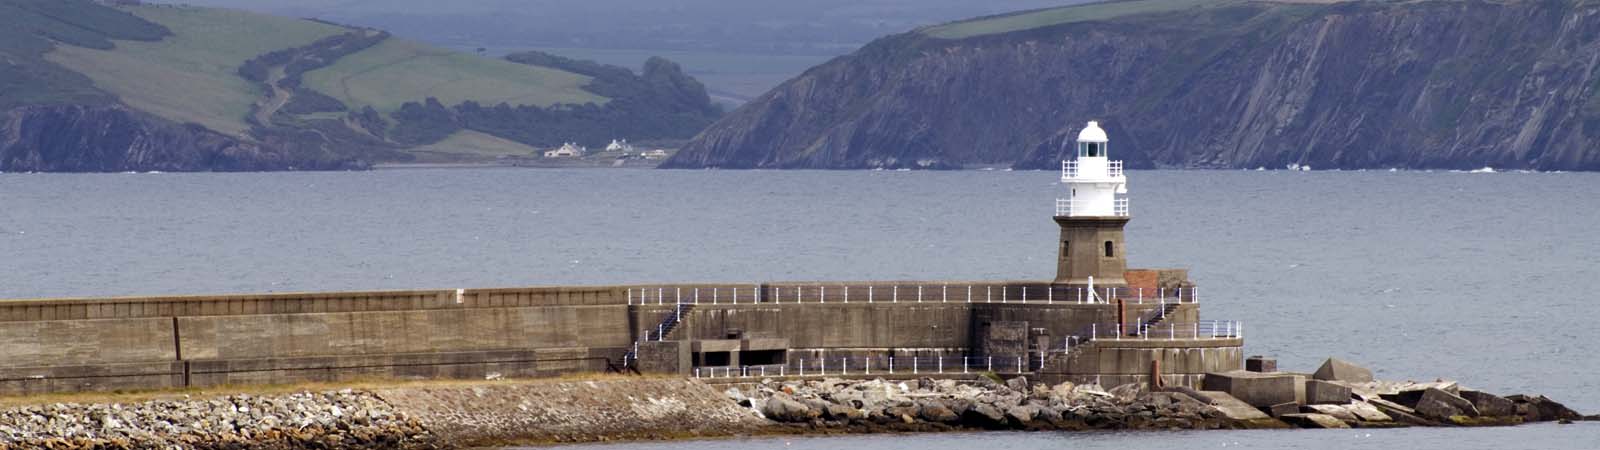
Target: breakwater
[[140, 343], [460, 414]]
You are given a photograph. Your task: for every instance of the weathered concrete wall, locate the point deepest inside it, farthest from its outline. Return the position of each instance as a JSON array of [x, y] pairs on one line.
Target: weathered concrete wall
[[158, 342], [421, 331], [1116, 361], [161, 342], [77, 342]]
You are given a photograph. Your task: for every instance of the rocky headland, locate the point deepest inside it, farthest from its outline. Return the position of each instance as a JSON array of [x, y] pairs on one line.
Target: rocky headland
[[1223, 84], [443, 415]]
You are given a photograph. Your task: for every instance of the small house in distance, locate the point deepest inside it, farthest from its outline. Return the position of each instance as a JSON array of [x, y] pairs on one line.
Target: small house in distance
[[567, 150], [619, 146]]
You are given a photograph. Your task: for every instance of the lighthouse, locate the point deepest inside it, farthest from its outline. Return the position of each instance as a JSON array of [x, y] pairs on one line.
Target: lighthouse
[[1092, 215]]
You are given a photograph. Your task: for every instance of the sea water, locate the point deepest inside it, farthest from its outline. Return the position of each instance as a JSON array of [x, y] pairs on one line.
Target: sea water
[[1489, 278]]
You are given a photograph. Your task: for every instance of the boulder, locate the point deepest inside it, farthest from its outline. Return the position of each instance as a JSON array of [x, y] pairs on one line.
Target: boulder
[[1022, 414], [1019, 384], [1337, 411], [1335, 369], [1538, 408], [934, 411], [1063, 390], [1319, 392], [784, 409], [844, 413], [1437, 404], [1490, 404], [984, 415], [1314, 421]]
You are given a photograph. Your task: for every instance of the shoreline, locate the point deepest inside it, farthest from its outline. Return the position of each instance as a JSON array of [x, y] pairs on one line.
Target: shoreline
[[597, 409]]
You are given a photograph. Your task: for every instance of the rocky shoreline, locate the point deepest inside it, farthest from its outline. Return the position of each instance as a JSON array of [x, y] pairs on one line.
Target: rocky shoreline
[[927, 404], [464, 414]]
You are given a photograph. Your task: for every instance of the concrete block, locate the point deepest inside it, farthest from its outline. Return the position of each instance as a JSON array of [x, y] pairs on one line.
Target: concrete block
[[1260, 363], [1283, 409], [1335, 369], [1320, 392], [1314, 421], [1261, 390]]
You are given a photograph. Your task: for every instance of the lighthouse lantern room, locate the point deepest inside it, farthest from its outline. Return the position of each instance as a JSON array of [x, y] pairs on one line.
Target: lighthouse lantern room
[[1093, 215]]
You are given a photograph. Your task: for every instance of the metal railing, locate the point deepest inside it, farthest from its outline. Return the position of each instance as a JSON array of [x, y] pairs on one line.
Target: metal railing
[[1119, 207], [1069, 169], [1040, 293], [1205, 329], [872, 366]]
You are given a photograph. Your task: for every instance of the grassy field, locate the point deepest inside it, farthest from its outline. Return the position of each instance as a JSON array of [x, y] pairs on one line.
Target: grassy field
[[397, 71], [1056, 16], [190, 77], [468, 145]]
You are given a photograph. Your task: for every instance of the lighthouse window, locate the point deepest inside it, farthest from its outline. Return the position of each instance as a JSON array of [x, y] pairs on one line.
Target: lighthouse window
[[1108, 249], [1064, 245], [1094, 149]]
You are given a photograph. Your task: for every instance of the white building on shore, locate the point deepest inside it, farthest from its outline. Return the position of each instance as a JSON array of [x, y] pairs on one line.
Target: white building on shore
[[567, 150]]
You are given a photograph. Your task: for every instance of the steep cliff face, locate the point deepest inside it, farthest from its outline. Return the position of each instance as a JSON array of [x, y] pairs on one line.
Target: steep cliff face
[[78, 138], [1233, 85]]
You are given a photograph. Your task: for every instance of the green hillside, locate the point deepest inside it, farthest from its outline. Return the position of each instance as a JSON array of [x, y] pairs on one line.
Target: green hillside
[[173, 87], [192, 75], [398, 71], [27, 29], [1056, 16]]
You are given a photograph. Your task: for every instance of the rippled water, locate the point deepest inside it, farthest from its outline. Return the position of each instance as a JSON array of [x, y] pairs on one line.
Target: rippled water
[[1487, 278]]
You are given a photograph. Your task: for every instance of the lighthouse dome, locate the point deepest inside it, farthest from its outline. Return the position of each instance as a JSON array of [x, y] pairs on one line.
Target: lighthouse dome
[[1092, 133]]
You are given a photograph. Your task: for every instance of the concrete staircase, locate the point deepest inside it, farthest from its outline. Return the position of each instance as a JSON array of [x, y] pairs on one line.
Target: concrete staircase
[[1155, 316], [662, 331]]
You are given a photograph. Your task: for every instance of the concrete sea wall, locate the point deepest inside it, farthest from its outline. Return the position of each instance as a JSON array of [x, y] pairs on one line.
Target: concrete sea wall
[[58, 345], [85, 344]]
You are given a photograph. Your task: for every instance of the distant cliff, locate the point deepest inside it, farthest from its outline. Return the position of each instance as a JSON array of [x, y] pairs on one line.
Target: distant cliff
[[1181, 83], [77, 138]]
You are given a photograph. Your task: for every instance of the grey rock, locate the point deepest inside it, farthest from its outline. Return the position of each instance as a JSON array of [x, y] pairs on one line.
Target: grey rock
[[1538, 408], [1437, 404], [934, 411], [1022, 414], [984, 415], [1489, 404], [784, 409], [1019, 384]]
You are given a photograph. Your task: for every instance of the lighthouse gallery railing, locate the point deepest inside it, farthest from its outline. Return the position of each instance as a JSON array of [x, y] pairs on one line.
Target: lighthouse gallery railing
[[1119, 207]]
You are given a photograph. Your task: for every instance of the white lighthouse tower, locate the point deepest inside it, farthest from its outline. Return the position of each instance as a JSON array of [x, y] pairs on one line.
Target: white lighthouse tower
[[1093, 215]]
